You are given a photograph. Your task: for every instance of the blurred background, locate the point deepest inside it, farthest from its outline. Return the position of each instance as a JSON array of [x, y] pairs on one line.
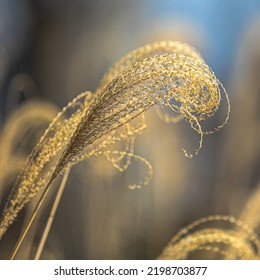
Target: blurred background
[[52, 50]]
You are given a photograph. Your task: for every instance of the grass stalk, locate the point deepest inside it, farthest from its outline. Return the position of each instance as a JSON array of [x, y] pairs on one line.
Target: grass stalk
[[33, 216], [52, 215]]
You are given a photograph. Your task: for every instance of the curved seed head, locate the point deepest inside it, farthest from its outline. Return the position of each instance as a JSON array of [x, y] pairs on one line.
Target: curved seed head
[[167, 73]]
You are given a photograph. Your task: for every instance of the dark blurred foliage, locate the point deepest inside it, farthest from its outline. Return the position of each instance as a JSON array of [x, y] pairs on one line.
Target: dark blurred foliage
[[54, 50]]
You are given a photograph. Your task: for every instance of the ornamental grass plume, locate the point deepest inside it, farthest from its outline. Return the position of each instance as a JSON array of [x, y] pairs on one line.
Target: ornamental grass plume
[[21, 132], [166, 74], [237, 242]]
